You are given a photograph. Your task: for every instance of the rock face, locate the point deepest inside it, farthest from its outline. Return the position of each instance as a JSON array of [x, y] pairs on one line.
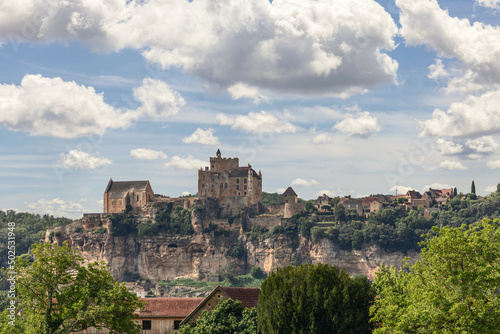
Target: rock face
[[201, 256]]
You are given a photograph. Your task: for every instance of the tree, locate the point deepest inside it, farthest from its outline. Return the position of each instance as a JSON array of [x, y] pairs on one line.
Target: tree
[[65, 296], [228, 317], [314, 299], [455, 193], [452, 288], [339, 212], [473, 188]]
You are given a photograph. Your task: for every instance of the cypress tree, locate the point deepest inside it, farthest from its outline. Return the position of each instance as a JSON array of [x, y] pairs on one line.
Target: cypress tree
[[473, 188], [455, 193]]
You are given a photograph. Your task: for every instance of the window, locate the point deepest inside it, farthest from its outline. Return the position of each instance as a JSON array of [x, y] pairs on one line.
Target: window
[[245, 181], [237, 180], [212, 166], [237, 187], [137, 198], [222, 185], [245, 193], [146, 325], [245, 187], [177, 324], [225, 185]]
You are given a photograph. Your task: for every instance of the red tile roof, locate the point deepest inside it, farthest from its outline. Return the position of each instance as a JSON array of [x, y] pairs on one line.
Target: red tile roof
[[248, 296], [169, 307]]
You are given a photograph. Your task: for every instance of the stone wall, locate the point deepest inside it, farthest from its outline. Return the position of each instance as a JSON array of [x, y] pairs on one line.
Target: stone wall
[[293, 208]]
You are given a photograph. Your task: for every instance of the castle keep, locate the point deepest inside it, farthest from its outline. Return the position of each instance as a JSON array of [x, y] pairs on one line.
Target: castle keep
[[233, 185]]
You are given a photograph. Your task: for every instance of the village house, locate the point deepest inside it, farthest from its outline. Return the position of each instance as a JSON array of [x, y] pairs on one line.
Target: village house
[[120, 195], [160, 316], [289, 196], [248, 297], [322, 200], [352, 204]]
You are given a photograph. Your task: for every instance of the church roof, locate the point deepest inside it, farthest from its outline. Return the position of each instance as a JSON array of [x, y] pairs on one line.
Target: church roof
[[119, 189], [169, 307], [289, 192], [241, 172]]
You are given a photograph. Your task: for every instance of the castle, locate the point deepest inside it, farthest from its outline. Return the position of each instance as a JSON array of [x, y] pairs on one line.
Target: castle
[[231, 184]]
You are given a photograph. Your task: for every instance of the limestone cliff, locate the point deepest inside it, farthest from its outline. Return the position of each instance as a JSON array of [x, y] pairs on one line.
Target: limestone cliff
[[202, 255]]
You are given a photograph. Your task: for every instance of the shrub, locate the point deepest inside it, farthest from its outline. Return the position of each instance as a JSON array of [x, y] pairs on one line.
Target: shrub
[[100, 230], [256, 272], [237, 251]]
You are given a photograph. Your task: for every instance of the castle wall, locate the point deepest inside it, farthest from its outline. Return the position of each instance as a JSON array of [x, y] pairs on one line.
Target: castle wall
[[232, 206], [219, 164], [292, 208], [267, 221], [275, 209]]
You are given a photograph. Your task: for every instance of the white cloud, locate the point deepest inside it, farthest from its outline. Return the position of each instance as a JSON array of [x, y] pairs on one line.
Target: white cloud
[[482, 145], [400, 189], [448, 147], [452, 165], [147, 154], [53, 107], [280, 190], [491, 4], [493, 164], [477, 115], [362, 125], [200, 136], [490, 189], [303, 182], [325, 192], [437, 70], [323, 138], [476, 45], [158, 99], [75, 159], [240, 90], [186, 193], [57, 207], [188, 163], [261, 122], [332, 47]]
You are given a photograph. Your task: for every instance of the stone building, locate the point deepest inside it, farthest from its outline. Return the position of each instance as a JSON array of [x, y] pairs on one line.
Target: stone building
[[232, 185], [119, 194], [289, 196], [248, 297]]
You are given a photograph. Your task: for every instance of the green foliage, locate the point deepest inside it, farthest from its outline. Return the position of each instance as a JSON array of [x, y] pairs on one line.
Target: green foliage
[[59, 294], [473, 188], [270, 199], [29, 229], [228, 317], [237, 251], [314, 299], [278, 230], [168, 221], [100, 230], [128, 208], [79, 229], [326, 207], [339, 213], [309, 206], [257, 232], [452, 288], [256, 272], [402, 200], [211, 227]]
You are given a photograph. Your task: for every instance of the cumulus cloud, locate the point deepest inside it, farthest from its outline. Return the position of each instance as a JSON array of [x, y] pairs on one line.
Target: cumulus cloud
[[493, 164], [200, 136], [303, 182], [491, 4], [448, 147], [437, 70], [476, 45], [57, 207], [75, 159], [476, 116], [452, 165], [240, 90], [254, 122], [490, 189], [332, 47], [188, 163], [400, 189], [158, 99], [482, 145], [147, 154], [323, 138], [363, 124], [52, 107]]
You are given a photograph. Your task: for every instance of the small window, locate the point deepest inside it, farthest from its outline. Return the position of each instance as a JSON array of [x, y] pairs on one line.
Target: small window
[[137, 198], [225, 185], [222, 185], [245, 181], [146, 325], [237, 180], [245, 187], [219, 296], [245, 193], [209, 304], [177, 324], [212, 166], [237, 187]]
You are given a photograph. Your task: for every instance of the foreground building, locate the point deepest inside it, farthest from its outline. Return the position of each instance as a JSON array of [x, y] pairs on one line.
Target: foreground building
[[120, 194]]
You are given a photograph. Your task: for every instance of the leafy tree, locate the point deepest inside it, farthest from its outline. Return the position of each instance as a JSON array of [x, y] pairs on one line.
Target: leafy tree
[[256, 272], [473, 188], [58, 294], [237, 251], [271, 199], [228, 317], [314, 299], [455, 193], [402, 200], [452, 288], [326, 207], [309, 206], [339, 212]]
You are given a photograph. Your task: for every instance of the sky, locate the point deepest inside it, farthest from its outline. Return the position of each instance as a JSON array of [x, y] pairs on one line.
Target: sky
[[332, 97]]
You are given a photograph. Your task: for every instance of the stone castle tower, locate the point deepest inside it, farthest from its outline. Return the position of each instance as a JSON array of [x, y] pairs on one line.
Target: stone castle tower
[[233, 185]]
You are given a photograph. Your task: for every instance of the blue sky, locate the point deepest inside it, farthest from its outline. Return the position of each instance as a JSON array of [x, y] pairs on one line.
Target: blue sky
[[337, 97]]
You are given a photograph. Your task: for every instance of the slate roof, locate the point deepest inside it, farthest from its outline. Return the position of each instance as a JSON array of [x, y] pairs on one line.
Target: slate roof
[[119, 189], [241, 172], [169, 307], [289, 192]]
